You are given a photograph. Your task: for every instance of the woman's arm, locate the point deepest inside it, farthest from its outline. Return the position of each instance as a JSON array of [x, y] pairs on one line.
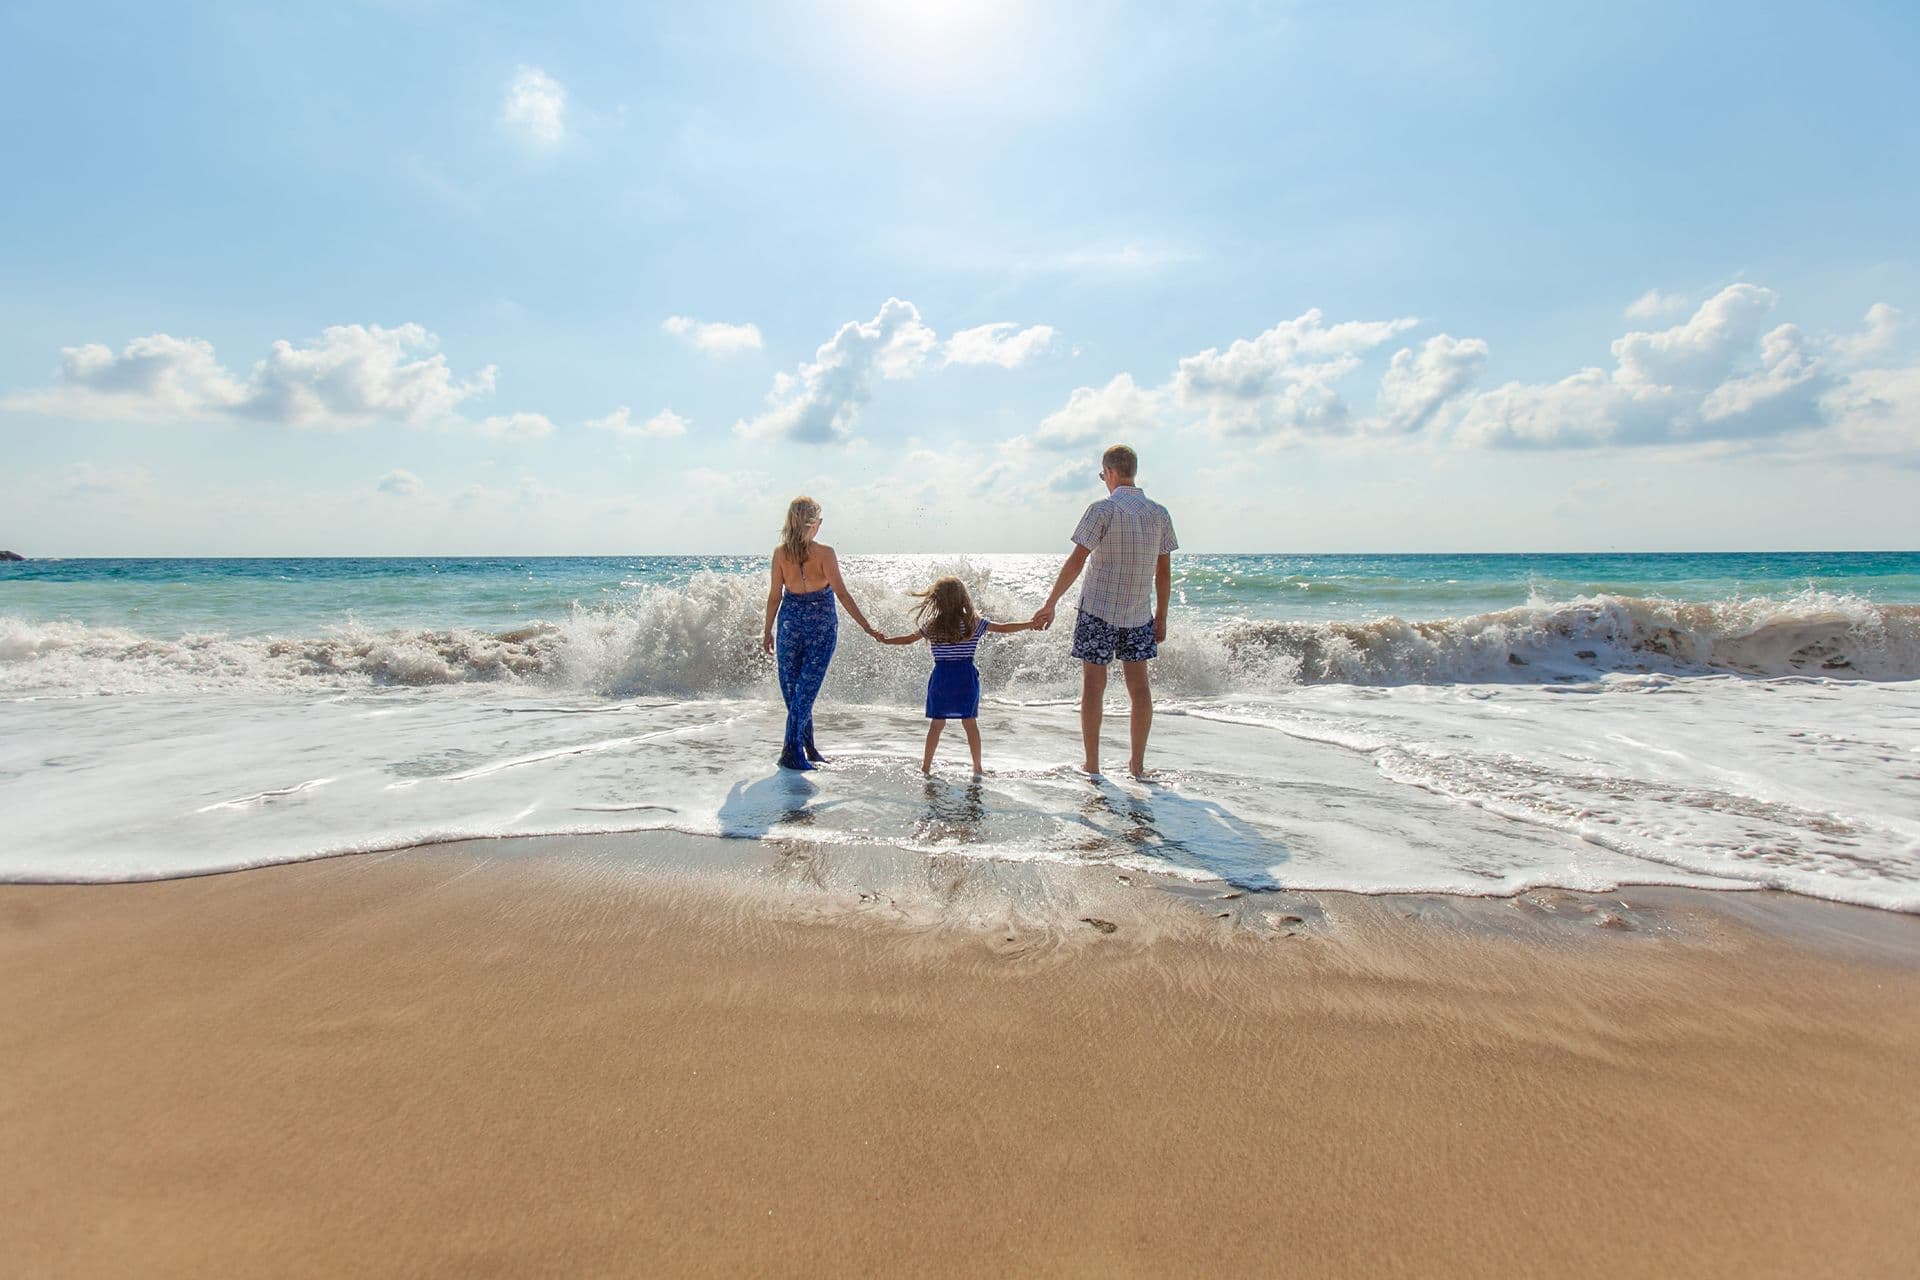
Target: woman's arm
[[840, 592], [773, 604]]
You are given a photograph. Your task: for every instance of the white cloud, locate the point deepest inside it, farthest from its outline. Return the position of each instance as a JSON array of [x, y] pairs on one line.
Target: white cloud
[[516, 426], [660, 426], [1654, 305], [1700, 350], [820, 403], [535, 107], [155, 377], [1417, 387], [353, 376], [1875, 413], [1701, 380], [1003, 343], [1099, 415], [401, 484], [714, 337], [357, 374], [1883, 322], [1280, 384]]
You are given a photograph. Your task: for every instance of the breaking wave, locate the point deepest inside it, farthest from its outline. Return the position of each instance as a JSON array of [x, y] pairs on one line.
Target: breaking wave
[[703, 639]]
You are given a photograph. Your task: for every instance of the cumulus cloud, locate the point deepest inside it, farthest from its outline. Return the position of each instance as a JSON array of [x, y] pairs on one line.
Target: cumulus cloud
[[1280, 385], [821, 401], [1418, 387], [535, 107], [1655, 305], [516, 427], [714, 337], [1882, 322], [357, 374], [401, 484], [353, 376], [1003, 343], [1875, 413], [1114, 412], [1722, 374], [158, 376], [660, 426]]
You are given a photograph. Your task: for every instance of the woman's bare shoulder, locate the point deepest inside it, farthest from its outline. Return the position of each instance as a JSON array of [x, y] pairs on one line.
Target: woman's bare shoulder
[[826, 552]]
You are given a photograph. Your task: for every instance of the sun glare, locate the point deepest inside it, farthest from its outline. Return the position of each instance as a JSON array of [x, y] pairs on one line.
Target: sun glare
[[933, 45]]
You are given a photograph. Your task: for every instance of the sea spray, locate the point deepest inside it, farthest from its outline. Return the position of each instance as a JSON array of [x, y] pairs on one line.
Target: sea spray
[[703, 639]]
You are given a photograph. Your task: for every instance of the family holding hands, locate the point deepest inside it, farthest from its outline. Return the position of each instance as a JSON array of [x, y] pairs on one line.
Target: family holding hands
[[1122, 544]]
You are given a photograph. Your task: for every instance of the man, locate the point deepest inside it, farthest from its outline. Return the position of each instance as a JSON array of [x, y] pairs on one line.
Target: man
[[1123, 603]]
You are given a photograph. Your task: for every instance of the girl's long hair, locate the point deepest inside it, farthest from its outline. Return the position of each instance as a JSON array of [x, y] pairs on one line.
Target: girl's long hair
[[801, 513], [945, 612]]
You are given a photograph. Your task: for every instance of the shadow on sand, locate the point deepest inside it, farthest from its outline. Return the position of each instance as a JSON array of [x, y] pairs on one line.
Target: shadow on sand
[[1186, 831], [782, 798]]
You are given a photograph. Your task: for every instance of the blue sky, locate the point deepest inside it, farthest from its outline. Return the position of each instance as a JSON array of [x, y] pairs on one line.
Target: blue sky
[[428, 278]]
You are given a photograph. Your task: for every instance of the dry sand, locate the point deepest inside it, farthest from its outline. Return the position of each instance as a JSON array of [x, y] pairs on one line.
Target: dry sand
[[557, 1060]]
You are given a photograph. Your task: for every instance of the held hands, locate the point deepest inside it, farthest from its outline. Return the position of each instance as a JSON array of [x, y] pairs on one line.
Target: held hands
[[1042, 617]]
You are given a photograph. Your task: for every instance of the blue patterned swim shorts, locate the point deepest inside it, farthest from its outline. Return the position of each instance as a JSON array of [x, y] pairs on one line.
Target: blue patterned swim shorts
[[1097, 640]]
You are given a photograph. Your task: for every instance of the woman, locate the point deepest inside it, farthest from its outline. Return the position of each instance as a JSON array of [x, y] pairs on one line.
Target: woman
[[806, 582]]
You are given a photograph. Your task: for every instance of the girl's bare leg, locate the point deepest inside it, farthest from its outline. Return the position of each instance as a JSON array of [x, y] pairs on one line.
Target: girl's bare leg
[[972, 728], [933, 740]]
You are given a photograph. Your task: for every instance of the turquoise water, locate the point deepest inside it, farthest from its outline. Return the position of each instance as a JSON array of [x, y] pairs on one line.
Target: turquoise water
[[168, 598]]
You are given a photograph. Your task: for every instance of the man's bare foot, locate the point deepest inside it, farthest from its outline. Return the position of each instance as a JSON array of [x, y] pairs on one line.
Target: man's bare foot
[[1091, 770]]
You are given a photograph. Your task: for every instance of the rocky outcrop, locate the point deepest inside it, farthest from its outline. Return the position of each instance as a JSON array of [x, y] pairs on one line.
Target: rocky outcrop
[[11, 555]]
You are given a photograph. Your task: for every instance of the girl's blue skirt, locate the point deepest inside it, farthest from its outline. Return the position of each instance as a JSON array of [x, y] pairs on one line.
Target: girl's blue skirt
[[953, 691]]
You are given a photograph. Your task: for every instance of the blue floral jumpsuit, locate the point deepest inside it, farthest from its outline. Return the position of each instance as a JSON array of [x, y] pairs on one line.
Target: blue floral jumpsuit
[[809, 626]]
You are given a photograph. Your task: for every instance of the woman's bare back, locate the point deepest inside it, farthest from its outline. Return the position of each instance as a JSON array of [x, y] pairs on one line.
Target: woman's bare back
[[801, 579]]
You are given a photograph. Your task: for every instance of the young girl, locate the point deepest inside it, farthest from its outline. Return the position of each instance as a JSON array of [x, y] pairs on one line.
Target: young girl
[[948, 623]]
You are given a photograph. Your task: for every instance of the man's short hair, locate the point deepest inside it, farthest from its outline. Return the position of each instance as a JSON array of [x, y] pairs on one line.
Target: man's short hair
[[1123, 460]]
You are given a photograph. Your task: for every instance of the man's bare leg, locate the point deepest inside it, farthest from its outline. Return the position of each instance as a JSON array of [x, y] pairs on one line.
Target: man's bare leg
[[1093, 691], [1140, 714]]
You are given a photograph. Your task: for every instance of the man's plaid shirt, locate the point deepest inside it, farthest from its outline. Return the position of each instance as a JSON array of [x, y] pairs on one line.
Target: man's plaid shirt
[[1127, 535]]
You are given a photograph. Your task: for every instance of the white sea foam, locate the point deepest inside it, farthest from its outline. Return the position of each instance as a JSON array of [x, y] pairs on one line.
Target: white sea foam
[[1584, 743], [703, 640], [1805, 785]]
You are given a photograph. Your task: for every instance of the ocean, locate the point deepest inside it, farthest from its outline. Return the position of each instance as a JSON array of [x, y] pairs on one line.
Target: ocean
[[1472, 724]]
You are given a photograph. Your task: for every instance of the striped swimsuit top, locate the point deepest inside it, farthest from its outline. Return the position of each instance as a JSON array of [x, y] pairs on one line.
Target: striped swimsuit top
[[959, 652]]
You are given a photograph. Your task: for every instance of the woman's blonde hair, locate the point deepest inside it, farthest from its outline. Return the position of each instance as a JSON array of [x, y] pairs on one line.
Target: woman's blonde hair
[[945, 612], [802, 512]]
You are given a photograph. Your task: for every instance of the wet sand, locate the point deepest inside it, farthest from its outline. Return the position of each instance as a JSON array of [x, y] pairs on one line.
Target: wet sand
[[585, 1058]]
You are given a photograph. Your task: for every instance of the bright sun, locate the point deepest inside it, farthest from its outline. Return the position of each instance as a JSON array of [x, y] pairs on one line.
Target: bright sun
[[931, 45]]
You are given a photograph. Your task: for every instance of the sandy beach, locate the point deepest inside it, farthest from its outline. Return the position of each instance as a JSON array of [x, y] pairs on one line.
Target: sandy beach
[[554, 1057]]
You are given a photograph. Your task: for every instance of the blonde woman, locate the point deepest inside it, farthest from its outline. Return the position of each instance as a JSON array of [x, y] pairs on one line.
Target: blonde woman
[[806, 582]]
